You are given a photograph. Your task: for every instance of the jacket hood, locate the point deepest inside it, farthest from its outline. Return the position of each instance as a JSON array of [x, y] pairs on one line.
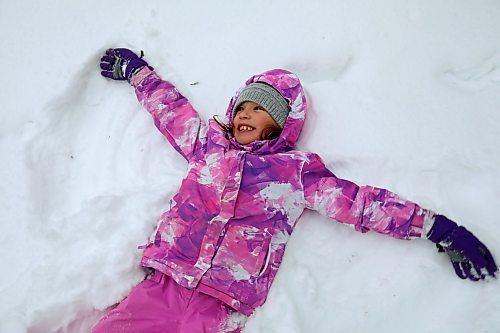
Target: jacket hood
[[289, 86]]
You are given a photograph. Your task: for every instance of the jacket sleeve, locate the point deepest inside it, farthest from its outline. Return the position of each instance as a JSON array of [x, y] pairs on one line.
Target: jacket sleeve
[[363, 207], [172, 113]]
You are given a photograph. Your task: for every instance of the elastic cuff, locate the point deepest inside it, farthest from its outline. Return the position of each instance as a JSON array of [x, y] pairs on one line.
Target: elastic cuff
[[441, 228], [429, 220], [133, 66], [140, 75]]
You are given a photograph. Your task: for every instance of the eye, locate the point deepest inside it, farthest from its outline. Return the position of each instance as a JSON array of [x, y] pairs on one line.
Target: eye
[[258, 107], [239, 108]]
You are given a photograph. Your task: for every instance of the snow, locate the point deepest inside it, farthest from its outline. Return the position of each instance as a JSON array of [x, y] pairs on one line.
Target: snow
[[402, 95]]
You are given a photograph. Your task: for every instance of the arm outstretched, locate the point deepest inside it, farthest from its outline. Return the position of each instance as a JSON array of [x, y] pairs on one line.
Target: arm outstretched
[[370, 208]]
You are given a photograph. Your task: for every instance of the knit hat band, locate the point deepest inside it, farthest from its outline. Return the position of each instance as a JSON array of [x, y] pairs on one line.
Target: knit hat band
[[267, 97]]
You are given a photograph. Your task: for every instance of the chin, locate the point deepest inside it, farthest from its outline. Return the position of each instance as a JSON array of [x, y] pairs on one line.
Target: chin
[[244, 141]]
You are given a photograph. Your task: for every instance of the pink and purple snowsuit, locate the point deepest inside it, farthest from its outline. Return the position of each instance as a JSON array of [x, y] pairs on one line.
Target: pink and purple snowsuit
[[225, 231]]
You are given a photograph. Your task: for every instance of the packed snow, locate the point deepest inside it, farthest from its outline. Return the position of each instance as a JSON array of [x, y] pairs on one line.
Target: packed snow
[[403, 95]]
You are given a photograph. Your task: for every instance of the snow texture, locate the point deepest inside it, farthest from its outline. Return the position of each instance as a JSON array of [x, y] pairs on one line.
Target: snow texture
[[403, 95]]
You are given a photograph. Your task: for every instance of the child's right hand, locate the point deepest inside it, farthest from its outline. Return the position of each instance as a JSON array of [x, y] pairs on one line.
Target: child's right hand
[[120, 64]]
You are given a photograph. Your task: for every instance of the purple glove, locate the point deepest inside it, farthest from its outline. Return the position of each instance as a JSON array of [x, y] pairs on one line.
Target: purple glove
[[120, 64], [470, 258]]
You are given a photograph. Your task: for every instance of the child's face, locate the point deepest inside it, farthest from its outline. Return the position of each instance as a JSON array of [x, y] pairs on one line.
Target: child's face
[[250, 121]]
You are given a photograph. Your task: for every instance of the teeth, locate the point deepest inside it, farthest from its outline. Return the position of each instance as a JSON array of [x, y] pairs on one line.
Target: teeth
[[245, 128]]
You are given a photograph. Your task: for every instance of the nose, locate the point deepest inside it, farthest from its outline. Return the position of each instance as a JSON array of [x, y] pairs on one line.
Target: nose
[[244, 114]]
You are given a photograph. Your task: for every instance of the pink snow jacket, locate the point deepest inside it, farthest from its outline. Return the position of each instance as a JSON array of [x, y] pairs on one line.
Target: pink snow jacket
[[226, 230]]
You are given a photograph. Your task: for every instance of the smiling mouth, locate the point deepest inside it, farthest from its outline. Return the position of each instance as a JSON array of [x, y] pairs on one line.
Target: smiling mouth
[[245, 128]]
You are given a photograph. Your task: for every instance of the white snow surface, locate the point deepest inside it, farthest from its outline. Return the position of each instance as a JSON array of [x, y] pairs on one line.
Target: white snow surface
[[403, 95]]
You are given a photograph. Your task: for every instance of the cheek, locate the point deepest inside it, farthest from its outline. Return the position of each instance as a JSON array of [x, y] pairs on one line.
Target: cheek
[[265, 121]]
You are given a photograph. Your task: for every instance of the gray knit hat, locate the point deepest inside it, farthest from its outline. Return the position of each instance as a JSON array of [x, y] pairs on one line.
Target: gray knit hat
[[267, 97]]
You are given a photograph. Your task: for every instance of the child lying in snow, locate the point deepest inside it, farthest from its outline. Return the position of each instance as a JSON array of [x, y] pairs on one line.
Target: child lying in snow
[[216, 251]]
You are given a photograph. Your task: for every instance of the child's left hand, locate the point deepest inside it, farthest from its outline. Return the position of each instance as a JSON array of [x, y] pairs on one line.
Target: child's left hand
[[470, 258]]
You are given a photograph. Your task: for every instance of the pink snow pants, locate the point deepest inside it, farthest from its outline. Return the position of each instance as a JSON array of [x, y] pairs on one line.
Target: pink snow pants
[[159, 305]]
